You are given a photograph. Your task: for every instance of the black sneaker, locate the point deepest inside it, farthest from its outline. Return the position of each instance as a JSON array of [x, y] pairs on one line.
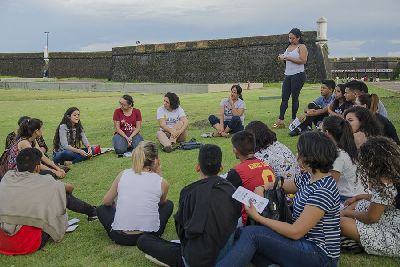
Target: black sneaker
[[168, 149], [93, 215], [295, 132]]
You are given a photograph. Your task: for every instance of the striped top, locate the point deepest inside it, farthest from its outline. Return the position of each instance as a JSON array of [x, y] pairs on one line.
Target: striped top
[[323, 194]]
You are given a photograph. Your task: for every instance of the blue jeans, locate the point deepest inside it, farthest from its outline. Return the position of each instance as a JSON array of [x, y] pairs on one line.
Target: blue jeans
[[264, 247], [235, 124], [67, 155], [121, 145]]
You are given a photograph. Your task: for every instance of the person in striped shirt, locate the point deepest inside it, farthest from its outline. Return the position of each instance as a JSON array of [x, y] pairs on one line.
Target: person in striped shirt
[[314, 237]]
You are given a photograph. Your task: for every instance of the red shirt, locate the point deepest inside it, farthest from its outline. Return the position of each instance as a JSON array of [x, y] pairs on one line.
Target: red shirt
[[250, 174], [127, 123], [27, 240]]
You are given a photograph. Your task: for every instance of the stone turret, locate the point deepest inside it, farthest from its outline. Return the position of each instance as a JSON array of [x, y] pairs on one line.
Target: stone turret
[[322, 31]]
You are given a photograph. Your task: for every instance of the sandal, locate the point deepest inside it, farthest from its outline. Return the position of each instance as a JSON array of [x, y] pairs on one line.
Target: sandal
[[278, 126]]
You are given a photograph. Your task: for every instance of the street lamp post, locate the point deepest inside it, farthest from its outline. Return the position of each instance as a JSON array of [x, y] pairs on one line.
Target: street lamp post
[[47, 38], [46, 57]]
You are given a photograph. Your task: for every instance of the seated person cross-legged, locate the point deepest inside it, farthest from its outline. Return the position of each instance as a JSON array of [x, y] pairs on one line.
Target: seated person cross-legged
[[137, 201], [68, 139], [205, 221], [173, 122], [33, 206], [127, 123], [231, 114]]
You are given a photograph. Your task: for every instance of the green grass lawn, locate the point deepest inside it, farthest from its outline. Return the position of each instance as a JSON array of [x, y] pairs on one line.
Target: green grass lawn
[[89, 245]]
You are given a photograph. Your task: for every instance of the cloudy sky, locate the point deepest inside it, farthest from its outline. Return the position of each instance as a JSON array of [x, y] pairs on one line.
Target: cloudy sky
[[355, 27]]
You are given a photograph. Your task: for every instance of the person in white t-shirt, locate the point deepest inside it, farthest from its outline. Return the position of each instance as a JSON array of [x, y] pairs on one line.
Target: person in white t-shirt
[[231, 114], [136, 202], [173, 122], [345, 166]]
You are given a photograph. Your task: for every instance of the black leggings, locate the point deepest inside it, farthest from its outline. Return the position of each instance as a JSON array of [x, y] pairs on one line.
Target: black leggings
[[106, 216], [292, 85]]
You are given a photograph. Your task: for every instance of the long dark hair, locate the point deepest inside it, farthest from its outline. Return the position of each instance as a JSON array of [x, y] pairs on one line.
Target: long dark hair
[[264, 136], [341, 131], [238, 90], [296, 32], [67, 121], [369, 125], [370, 100], [336, 102], [28, 127], [379, 158]]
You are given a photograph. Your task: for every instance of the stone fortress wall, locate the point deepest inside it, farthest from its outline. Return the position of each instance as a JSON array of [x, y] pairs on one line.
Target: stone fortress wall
[[206, 61]]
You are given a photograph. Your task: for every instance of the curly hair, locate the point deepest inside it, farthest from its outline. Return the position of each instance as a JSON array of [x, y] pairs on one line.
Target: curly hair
[[264, 136], [368, 122], [174, 101], [379, 158]]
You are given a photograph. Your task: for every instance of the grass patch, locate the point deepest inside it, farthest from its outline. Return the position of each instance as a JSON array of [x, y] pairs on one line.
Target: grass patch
[[89, 245]]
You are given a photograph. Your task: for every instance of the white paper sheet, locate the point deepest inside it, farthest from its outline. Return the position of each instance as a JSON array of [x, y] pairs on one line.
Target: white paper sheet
[[245, 196]]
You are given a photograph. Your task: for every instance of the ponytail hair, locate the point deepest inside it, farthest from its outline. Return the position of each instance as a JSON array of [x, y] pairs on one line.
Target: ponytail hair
[[28, 127], [144, 155], [341, 131], [296, 32], [238, 90], [370, 100]]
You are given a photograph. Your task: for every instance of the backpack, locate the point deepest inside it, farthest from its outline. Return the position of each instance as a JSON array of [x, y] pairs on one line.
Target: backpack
[[192, 144], [277, 208]]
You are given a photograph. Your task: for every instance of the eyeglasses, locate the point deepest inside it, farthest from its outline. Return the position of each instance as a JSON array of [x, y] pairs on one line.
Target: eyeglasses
[[124, 105]]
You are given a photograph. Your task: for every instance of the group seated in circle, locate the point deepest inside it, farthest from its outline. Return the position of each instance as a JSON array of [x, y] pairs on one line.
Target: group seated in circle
[[335, 167]]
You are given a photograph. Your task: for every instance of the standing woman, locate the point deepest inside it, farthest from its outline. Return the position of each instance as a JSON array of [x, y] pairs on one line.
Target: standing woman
[[127, 123], [295, 57], [68, 139], [137, 200]]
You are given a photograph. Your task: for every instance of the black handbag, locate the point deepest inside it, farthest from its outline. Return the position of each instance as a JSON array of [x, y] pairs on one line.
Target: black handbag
[[192, 144], [277, 208]]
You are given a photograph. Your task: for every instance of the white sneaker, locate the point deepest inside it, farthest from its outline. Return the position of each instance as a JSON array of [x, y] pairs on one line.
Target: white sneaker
[[154, 260], [206, 135]]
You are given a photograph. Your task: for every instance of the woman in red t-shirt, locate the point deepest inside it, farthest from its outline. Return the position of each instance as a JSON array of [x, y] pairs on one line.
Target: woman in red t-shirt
[[127, 123]]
